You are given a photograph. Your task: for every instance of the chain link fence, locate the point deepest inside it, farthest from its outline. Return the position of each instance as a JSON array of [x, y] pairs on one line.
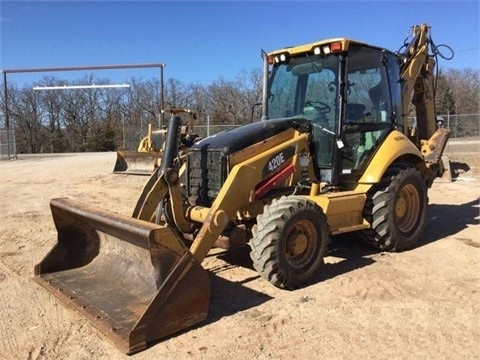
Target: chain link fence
[[133, 135], [8, 148], [465, 126], [207, 130], [462, 126]]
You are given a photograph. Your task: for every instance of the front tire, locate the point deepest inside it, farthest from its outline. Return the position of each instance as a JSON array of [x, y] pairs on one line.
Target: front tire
[[289, 241], [396, 209]]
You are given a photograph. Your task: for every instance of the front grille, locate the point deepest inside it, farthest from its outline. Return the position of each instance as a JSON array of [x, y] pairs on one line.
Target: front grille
[[206, 172]]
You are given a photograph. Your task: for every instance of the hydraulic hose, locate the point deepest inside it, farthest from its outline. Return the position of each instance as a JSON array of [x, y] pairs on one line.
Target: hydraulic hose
[[171, 143]]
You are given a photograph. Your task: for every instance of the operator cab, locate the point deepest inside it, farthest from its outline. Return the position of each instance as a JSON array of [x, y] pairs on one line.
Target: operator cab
[[351, 94]]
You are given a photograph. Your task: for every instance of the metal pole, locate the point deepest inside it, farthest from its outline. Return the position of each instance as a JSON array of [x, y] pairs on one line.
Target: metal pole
[[74, 68], [162, 99], [7, 122], [76, 87], [456, 126], [81, 68], [123, 131], [264, 85]]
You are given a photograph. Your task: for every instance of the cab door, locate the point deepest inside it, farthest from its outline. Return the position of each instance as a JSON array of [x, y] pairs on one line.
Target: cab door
[[370, 111]]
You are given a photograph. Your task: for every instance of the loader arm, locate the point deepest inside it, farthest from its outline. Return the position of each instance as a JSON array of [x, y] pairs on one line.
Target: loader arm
[[155, 192]]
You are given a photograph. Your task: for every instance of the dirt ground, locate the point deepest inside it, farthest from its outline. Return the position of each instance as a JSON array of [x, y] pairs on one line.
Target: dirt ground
[[419, 304]]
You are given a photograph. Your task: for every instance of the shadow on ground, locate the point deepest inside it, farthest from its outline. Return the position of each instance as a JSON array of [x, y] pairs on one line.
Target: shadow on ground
[[447, 220], [458, 168], [230, 297]]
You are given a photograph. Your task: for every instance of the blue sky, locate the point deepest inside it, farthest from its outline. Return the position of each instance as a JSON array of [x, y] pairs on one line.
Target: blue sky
[[202, 41]]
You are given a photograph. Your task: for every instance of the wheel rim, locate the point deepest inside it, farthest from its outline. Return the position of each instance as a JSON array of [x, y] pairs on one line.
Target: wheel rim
[[300, 242], [407, 208]]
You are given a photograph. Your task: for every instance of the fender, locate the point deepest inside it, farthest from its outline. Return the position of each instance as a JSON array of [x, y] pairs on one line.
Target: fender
[[395, 146]]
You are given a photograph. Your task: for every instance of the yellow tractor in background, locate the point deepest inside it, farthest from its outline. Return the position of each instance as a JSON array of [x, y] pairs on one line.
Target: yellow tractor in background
[[333, 153], [149, 152]]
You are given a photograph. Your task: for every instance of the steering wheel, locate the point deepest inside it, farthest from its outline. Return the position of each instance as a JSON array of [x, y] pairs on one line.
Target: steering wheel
[[321, 107]]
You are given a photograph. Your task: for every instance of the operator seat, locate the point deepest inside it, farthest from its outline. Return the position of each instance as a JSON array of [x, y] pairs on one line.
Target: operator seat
[[355, 112], [354, 141], [379, 99]]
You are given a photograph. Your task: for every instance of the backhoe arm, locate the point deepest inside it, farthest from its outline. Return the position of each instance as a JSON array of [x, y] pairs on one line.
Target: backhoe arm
[[418, 85], [417, 75]]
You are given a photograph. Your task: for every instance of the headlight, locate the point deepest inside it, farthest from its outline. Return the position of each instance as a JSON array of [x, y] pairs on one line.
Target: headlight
[[280, 58]]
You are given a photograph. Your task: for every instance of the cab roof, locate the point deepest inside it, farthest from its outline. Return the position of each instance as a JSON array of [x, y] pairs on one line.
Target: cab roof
[[294, 50]]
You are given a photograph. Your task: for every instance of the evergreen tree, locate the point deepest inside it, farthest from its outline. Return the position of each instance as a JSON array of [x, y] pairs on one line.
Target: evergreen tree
[[444, 98]]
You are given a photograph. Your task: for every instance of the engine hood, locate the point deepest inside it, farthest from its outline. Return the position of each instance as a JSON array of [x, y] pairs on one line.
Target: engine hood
[[233, 140]]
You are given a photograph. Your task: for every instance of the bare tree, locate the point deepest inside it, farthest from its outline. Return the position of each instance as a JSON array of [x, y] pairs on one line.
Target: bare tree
[[178, 94], [465, 85], [96, 119], [111, 104], [27, 112], [444, 97], [52, 115]]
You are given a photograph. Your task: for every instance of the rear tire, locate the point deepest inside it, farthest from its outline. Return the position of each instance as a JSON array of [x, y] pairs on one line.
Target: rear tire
[[289, 241], [396, 209]]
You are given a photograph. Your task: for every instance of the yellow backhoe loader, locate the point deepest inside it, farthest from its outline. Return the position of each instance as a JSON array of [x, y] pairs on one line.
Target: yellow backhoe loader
[[333, 154], [148, 156]]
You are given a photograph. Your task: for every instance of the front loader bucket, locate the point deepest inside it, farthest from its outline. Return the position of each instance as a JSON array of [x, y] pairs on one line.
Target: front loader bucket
[[134, 280], [136, 162]]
